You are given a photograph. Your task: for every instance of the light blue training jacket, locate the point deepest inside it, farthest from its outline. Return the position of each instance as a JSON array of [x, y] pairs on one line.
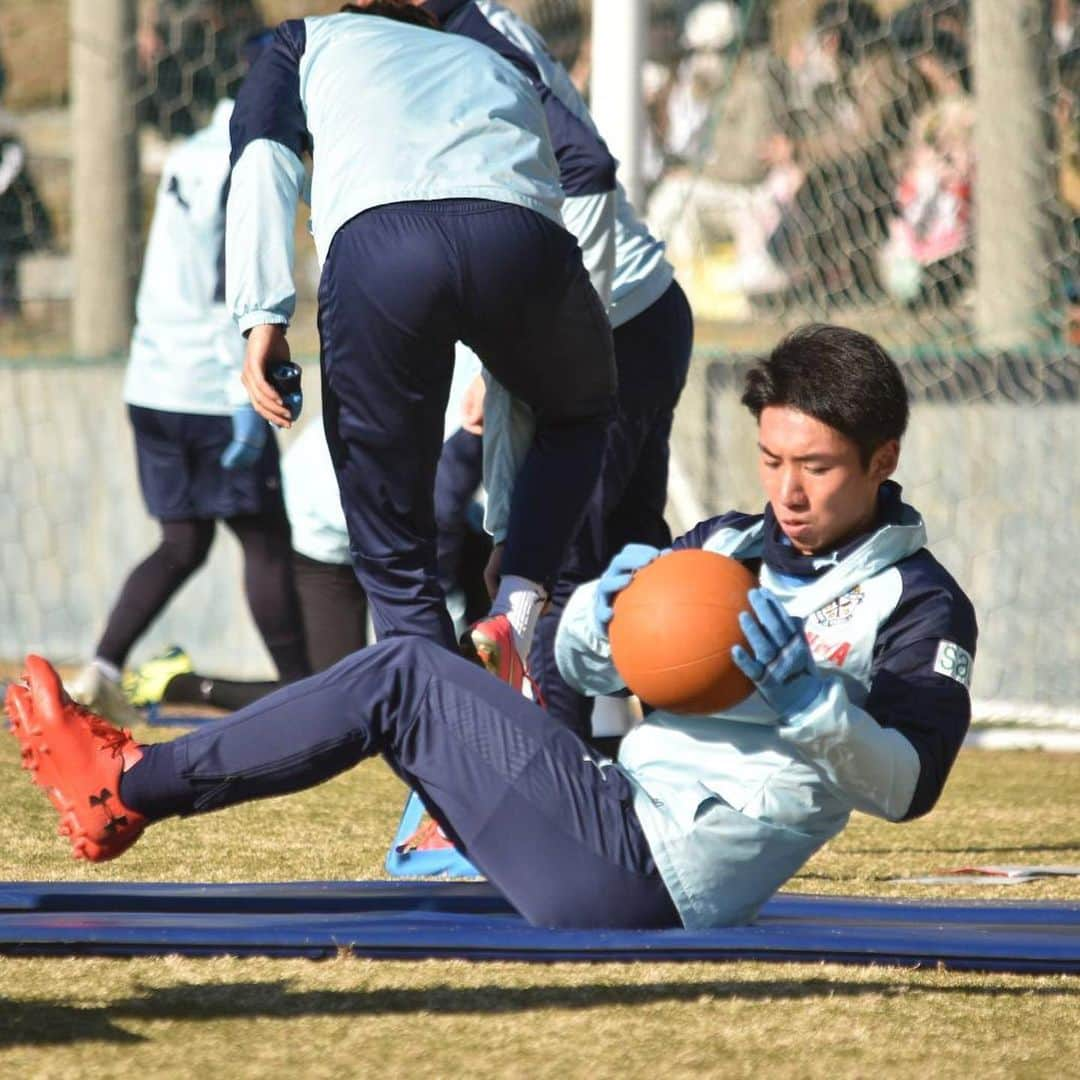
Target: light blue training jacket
[[734, 804], [639, 274], [390, 112], [186, 352]]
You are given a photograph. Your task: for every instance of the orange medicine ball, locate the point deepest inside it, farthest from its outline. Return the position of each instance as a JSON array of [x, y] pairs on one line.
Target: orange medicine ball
[[673, 628]]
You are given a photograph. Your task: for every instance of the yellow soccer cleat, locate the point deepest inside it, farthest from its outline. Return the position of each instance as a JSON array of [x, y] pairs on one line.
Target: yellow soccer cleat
[[146, 684]]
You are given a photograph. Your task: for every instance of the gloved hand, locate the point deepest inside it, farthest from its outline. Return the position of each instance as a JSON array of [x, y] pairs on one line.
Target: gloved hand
[[248, 439], [285, 379], [782, 667], [616, 577]]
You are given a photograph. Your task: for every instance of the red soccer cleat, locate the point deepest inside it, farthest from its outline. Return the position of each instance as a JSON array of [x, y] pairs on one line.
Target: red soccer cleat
[[490, 643], [427, 837], [77, 757]]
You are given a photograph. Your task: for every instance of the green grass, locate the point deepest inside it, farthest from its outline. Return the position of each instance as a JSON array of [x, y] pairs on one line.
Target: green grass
[[346, 1017]]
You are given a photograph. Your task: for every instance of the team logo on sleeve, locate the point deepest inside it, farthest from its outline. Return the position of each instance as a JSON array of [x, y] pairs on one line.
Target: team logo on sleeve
[[954, 662]]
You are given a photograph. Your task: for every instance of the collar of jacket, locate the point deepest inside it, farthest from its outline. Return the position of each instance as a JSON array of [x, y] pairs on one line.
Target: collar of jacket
[[780, 556], [444, 9]]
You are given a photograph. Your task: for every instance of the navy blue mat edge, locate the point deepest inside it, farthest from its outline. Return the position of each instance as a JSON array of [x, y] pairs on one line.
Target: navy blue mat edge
[[469, 897], [420, 920]]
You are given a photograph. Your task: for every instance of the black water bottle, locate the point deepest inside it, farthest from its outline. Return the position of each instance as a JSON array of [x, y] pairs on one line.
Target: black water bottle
[[285, 379]]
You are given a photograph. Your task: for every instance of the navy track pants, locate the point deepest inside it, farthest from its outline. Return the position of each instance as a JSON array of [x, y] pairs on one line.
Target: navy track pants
[[548, 822], [652, 353], [401, 284]]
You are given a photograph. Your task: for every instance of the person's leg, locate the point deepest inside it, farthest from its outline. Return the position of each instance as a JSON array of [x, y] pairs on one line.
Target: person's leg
[[166, 449], [459, 474], [271, 588], [653, 356], [9, 286], [145, 593], [334, 610], [553, 828], [151, 585], [387, 311], [540, 329], [535, 321], [193, 688], [334, 613]]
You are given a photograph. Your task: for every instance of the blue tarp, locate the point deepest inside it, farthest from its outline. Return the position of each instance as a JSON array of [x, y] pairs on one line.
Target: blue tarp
[[468, 920]]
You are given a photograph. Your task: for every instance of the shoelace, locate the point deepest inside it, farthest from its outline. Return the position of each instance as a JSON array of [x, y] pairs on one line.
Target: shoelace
[[113, 738]]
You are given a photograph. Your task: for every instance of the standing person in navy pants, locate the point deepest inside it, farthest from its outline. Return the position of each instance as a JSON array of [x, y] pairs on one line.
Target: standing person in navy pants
[[436, 215], [653, 336]]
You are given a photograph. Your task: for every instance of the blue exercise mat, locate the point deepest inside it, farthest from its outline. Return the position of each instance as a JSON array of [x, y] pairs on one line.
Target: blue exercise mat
[[418, 920], [440, 862]]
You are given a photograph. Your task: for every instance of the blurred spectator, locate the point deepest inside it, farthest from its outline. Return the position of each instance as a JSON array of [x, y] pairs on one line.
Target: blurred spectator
[[928, 250], [731, 175], [851, 110], [1067, 132], [1065, 25], [564, 26], [700, 78], [915, 24], [25, 225], [190, 56], [1067, 122]]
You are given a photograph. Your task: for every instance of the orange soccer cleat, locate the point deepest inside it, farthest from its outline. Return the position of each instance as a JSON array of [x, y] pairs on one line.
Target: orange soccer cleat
[[77, 757]]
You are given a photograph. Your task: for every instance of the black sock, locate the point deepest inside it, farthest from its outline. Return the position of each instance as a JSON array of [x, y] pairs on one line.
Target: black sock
[[195, 689]]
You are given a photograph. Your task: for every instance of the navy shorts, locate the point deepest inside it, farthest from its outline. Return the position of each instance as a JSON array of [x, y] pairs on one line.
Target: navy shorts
[[180, 471]]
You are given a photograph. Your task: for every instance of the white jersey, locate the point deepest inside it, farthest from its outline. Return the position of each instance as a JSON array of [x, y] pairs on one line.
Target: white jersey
[[186, 352]]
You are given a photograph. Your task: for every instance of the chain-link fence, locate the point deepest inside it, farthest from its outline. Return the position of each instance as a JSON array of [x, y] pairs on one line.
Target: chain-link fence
[[909, 169]]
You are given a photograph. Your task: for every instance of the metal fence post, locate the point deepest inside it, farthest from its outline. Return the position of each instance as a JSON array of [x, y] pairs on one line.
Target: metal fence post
[[1010, 264], [104, 174], [618, 52]]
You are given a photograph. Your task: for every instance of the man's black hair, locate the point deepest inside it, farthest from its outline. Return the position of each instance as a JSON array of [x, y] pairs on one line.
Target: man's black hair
[[838, 376], [396, 9]]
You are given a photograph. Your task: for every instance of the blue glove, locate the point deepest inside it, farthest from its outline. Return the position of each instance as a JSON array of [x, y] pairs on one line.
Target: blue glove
[[249, 432], [782, 667], [285, 379], [616, 577]]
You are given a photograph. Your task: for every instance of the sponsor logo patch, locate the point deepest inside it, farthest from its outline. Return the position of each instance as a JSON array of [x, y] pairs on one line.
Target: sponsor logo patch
[[954, 662]]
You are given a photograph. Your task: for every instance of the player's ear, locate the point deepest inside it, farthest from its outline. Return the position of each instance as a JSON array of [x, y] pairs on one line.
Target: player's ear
[[884, 460]]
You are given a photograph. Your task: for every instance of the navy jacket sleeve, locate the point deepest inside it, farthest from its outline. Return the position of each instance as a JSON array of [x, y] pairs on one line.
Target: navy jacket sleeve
[[586, 166], [268, 104], [919, 685]]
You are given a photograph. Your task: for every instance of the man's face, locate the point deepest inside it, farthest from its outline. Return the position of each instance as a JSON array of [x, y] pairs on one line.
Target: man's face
[[818, 488]]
